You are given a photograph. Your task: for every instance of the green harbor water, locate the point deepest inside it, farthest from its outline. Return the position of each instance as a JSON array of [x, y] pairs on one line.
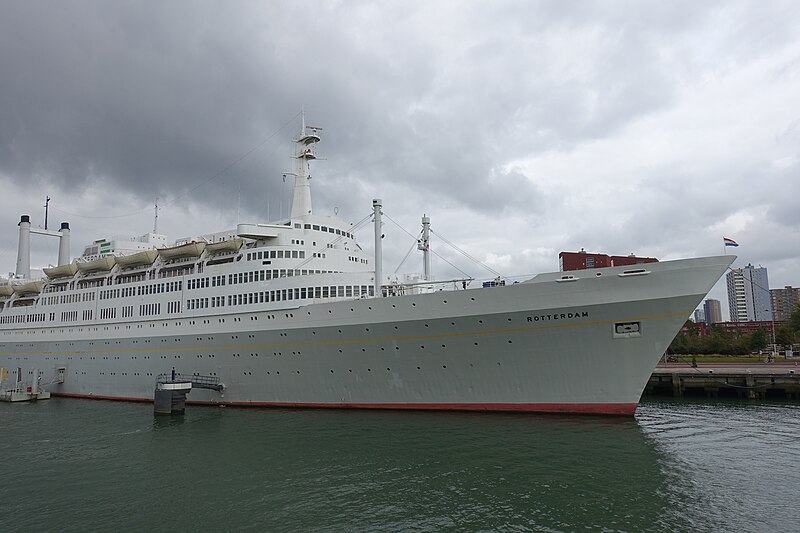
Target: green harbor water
[[82, 465]]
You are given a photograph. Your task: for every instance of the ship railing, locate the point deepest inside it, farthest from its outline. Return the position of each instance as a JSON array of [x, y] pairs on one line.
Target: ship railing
[[402, 289]]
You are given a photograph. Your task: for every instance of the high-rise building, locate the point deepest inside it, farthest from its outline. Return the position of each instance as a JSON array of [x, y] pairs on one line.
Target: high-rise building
[[712, 311], [699, 316], [748, 294], [784, 302]]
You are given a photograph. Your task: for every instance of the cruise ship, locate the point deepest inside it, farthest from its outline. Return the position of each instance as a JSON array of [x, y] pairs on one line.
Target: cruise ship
[[293, 313]]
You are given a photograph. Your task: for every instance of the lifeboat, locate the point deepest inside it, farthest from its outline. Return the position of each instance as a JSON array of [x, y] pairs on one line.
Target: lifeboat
[[190, 249], [98, 265], [6, 290], [230, 245], [32, 287], [138, 259], [61, 271]]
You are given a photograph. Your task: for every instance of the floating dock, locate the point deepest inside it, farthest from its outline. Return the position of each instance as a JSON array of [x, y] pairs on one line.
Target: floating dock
[[774, 381], [20, 392]]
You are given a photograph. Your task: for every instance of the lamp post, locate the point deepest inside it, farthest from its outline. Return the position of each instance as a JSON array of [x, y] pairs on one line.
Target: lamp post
[[774, 344]]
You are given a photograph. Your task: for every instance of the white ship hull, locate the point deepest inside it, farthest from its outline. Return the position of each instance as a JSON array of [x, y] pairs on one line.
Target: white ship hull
[[586, 345]]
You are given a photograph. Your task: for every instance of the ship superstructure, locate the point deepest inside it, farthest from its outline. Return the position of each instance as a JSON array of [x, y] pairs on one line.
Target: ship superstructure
[[295, 313]]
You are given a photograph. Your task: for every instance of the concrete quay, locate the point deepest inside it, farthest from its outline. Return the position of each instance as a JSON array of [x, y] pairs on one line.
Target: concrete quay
[[754, 381]]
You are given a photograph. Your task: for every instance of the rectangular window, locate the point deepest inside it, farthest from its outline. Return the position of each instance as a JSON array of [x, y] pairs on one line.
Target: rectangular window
[[324, 292]]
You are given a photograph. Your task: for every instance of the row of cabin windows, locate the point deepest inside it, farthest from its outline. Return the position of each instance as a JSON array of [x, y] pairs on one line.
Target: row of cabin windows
[[301, 293], [335, 231], [298, 293], [32, 318], [157, 288], [277, 254], [67, 298], [149, 309], [196, 303]]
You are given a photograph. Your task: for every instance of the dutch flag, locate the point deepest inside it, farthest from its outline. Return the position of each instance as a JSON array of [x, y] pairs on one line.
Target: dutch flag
[[729, 242]]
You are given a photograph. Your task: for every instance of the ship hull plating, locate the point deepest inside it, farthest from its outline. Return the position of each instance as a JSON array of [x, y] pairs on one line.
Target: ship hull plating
[[586, 345]]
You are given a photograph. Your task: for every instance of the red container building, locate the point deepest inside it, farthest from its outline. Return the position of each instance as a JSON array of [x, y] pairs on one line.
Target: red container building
[[584, 260]]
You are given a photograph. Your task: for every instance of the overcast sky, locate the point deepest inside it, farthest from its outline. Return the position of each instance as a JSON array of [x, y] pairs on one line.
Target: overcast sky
[[522, 128]]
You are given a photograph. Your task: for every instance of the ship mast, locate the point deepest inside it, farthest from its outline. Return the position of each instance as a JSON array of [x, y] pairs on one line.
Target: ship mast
[[304, 152], [424, 244]]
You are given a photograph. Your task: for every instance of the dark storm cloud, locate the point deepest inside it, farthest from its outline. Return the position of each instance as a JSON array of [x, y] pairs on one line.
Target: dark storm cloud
[[157, 99]]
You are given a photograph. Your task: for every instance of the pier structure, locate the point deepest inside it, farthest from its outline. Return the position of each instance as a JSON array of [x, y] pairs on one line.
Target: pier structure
[[171, 389], [745, 381]]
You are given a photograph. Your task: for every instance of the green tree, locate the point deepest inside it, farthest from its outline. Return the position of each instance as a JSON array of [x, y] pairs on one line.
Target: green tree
[[758, 341], [784, 336], [794, 320]]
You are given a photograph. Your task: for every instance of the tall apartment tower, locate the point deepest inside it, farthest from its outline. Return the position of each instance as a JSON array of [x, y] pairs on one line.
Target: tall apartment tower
[[748, 294], [712, 311], [784, 301]]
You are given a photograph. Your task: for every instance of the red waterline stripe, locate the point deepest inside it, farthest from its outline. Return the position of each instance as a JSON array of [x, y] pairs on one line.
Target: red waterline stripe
[[625, 409]]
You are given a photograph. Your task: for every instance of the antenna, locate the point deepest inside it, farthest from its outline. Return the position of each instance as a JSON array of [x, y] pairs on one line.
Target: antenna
[[46, 209], [155, 218]]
